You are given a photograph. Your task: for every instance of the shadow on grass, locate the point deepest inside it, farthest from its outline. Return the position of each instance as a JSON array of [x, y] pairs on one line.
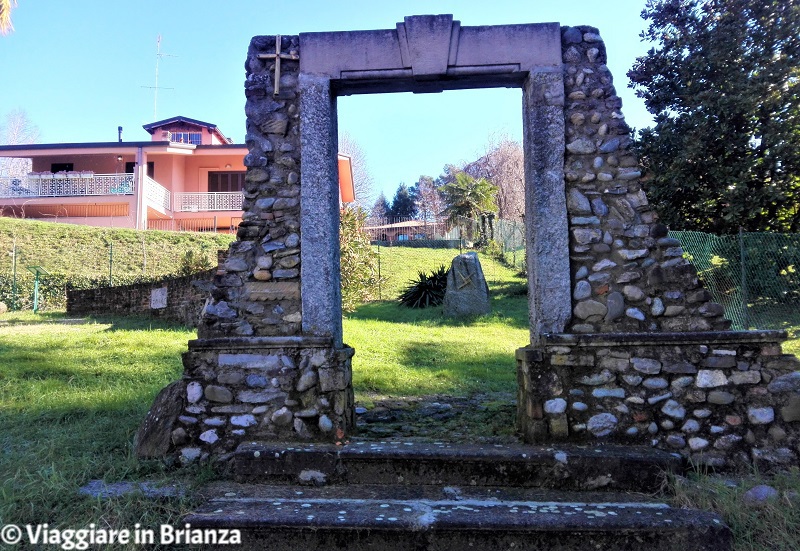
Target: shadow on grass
[[509, 310], [431, 367], [139, 323]]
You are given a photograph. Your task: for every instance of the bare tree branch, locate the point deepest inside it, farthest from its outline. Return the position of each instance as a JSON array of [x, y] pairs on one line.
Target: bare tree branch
[[362, 178]]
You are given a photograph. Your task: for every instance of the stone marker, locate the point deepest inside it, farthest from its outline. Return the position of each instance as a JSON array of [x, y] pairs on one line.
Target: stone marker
[[467, 293]]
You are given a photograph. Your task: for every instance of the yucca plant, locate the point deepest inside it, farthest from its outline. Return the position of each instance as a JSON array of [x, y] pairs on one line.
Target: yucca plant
[[426, 290]]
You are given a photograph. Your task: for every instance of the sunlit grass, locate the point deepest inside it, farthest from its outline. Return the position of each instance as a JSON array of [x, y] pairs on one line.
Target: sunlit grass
[[71, 400]]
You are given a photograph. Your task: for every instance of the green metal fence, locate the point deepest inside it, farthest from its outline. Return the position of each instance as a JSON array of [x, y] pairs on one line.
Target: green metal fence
[[755, 276]]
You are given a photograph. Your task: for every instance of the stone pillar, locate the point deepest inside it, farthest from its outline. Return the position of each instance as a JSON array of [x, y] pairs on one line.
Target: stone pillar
[[545, 204], [269, 363], [319, 215]]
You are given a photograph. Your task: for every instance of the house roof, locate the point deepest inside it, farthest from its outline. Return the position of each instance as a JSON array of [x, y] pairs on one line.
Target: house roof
[[154, 126], [88, 148]]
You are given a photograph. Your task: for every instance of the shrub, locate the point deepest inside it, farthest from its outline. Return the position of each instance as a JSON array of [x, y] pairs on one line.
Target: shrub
[[426, 290], [358, 261]]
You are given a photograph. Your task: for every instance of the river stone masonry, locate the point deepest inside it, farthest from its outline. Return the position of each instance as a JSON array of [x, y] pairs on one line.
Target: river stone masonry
[[252, 374], [627, 274], [647, 358], [257, 290], [722, 399], [626, 344]]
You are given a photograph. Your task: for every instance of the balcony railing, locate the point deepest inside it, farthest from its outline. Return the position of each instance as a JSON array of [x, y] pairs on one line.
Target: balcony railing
[[76, 184], [201, 202], [156, 194]]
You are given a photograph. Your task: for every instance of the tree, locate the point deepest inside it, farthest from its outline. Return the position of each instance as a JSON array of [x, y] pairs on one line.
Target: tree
[[428, 199], [363, 183], [381, 207], [503, 164], [471, 198], [17, 129], [723, 82], [403, 204], [358, 261], [5, 15]]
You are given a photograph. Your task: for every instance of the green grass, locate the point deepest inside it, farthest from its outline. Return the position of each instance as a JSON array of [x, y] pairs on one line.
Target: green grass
[[775, 526], [410, 352], [399, 265], [73, 396], [71, 400], [84, 250]]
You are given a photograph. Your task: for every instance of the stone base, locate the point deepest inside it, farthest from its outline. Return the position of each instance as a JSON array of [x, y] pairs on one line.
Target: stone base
[[252, 388], [719, 398]]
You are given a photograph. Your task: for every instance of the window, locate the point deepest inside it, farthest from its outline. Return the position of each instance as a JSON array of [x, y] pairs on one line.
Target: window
[[195, 138], [220, 182], [151, 168], [61, 167]]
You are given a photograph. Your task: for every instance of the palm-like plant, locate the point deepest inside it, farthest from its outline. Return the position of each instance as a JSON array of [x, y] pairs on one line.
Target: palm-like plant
[[5, 15], [469, 197]]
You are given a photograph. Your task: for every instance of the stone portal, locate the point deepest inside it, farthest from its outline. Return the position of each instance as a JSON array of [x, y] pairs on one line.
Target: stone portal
[[270, 363]]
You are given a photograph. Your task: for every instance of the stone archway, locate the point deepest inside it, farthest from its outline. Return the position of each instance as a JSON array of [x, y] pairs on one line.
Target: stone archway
[[431, 54], [626, 344]]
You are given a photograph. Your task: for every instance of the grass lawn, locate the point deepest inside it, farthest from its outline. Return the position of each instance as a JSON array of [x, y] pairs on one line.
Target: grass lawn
[[71, 400], [73, 396], [410, 352]]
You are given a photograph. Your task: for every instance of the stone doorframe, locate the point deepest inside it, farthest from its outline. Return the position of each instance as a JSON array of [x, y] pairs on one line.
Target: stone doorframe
[[432, 53]]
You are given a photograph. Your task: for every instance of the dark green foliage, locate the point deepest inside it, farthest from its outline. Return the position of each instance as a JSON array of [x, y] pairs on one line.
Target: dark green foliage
[[404, 204], [192, 262], [358, 261], [722, 81], [426, 290], [470, 198]]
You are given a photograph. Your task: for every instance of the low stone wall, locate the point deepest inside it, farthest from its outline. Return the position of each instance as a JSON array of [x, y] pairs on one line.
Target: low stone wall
[[178, 299], [724, 399], [258, 388]]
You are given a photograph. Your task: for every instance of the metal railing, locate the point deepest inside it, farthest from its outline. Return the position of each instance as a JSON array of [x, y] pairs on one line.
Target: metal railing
[[156, 194], [201, 202], [77, 184]]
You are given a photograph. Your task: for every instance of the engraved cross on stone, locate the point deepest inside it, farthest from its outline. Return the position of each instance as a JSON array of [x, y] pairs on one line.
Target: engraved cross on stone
[[277, 56]]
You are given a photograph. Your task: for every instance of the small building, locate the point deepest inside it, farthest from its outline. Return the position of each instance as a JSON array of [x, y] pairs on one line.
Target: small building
[[189, 176]]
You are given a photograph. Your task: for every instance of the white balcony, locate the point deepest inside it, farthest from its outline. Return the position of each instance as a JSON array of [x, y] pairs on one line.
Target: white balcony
[[202, 202], [66, 184], [157, 195]]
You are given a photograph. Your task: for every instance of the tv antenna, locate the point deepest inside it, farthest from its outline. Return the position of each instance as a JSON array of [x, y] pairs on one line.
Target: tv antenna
[[156, 88]]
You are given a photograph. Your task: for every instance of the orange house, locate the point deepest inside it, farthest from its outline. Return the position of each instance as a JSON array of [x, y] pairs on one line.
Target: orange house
[[188, 177]]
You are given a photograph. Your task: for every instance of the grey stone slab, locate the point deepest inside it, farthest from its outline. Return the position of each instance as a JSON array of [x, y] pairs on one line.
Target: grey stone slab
[[319, 210]]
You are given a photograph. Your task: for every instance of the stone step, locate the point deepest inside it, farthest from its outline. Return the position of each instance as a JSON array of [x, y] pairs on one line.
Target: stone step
[[392, 517], [567, 467]]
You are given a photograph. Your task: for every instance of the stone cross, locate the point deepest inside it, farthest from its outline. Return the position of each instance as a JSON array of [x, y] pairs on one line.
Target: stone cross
[[277, 56]]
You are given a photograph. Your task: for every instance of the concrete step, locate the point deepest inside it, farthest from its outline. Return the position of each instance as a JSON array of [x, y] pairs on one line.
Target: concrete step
[[400, 517], [567, 467]]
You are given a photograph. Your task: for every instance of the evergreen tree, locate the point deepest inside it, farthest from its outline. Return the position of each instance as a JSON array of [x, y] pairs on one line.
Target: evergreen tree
[[723, 82], [403, 204], [381, 207]]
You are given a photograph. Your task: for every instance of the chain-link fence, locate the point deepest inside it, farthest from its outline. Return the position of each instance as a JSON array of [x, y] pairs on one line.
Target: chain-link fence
[[755, 276]]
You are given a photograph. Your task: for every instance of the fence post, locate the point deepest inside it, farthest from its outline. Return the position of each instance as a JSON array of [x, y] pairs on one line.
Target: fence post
[[14, 277], [380, 290], [743, 277]]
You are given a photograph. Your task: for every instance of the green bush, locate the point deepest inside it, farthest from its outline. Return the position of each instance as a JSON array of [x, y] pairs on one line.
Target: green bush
[[426, 290], [358, 261]]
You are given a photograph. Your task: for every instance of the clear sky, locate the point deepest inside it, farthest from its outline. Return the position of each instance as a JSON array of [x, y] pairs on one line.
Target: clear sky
[[80, 69]]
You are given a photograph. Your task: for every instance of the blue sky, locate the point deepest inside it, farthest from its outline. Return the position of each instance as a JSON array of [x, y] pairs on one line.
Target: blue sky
[[79, 69]]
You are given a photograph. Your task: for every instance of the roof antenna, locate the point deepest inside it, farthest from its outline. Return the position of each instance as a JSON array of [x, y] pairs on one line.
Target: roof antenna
[[156, 88], [119, 133]]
